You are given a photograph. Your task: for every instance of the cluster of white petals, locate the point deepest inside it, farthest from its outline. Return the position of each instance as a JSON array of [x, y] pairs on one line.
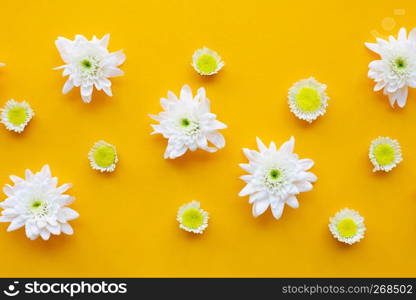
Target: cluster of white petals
[[188, 124], [38, 204], [89, 64], [395, 71], [276, 177]]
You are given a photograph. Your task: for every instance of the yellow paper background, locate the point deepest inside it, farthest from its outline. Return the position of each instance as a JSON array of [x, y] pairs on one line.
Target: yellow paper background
[[127, 225]]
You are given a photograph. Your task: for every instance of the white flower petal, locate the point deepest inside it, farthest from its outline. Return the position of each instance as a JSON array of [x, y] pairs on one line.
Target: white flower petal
[[45, 234], [67, 86], [278, 210], [292, 202], [260, 145], [373, 47], [402, 96], [304, 186], [288, 146], [248, 189], [186, 93], [105, 40], [16, 223], [260, 206], [217, 139], [306, 164], [67, 229]]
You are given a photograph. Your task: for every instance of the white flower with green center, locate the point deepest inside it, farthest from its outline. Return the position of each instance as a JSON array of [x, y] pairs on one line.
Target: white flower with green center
[[89, 64], [396, 70], [206, 61], [192, 217], [103, 157], [385, 154], [38, 204], [307, 99], [16, 115], [276, 177], [188, 123], [347, 226]]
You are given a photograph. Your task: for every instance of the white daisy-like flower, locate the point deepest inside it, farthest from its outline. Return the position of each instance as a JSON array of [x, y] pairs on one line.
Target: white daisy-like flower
[[188, 123], [192, 217], [206, 61], [89, 64], [307, 99], [16, 115], [38, 204], [103, 157], [276, 177], [396, 70], [385, 154], [347, 226]]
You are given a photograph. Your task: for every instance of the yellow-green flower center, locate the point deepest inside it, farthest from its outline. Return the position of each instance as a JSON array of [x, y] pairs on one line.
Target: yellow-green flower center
[[192, 218], [384, 154], [308, 99], [400, 63], [104, 156], [36, 204], [274, 174], [86, 64], [347, 228], [38, 207], [185, 122], [17, 115], [207, 64]]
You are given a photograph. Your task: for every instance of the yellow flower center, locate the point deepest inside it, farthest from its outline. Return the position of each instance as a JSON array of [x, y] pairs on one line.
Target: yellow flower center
[[104, 156], [192, 218], [308, 99], [207, 64], [384, 154], [347, 228], [17, 115]]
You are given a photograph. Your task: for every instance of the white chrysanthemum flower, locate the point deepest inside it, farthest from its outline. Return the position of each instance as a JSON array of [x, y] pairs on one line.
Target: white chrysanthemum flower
[[16, 115], [89, 64], [307, 99], [276, 177], [347, 226], [192, 217], [396, 70], [103, 157], [188, 123], [385, 154], [206, 61], [38, 204]]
